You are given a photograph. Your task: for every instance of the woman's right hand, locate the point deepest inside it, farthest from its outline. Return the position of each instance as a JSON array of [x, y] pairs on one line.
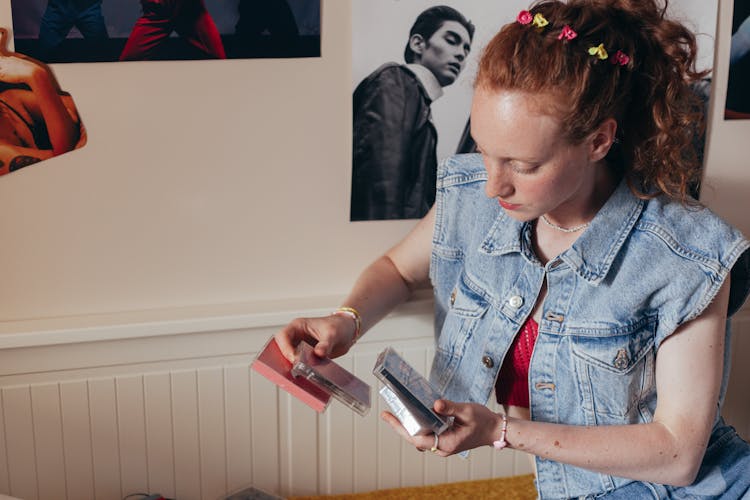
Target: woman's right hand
[[332, 336]]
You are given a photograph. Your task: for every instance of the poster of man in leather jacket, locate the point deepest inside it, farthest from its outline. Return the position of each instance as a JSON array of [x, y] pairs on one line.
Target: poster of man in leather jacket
[[394, 135]]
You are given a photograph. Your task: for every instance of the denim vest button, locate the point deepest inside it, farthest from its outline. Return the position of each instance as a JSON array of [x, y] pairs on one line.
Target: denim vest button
[[555, 264], [621, 360], [488, 361], [515, 302], [453, 296]]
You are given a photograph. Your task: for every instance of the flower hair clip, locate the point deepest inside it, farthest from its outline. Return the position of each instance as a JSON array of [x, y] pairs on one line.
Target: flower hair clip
[[620, 58], [567, 33], [538, 20], [524, 17], [599, 52]]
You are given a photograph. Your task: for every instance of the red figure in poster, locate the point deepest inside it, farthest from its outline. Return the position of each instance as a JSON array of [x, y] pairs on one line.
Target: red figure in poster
[[189, 18]]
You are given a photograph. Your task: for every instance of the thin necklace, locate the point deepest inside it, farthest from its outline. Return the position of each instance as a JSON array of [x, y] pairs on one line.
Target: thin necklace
[[565, 229]]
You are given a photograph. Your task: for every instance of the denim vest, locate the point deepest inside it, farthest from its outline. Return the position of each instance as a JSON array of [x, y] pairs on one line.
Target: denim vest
[[640, 270]]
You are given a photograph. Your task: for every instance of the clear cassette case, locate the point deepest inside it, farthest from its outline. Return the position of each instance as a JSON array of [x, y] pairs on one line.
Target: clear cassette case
[[332, 378], [409, 395]]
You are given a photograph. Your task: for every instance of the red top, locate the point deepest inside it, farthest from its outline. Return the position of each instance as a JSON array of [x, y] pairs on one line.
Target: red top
[[512, 387]]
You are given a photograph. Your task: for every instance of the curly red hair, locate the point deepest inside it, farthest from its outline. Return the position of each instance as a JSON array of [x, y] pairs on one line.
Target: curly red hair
[[650, 97]]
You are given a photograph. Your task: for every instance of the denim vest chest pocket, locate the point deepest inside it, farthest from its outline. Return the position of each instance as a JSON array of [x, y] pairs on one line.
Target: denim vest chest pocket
[[615, 371], [466, 307]]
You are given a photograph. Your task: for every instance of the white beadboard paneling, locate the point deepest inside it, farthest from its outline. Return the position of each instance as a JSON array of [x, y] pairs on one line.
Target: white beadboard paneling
[[105, 441], [239, 441], [19, 441], [299, 448], [338, 446], [265, 419], [187, 466], [157, 396], [48, 440], [132, 434], [458, 468], [363, 441], [76, 435], [523, 463], [212, 434], [4, 482]]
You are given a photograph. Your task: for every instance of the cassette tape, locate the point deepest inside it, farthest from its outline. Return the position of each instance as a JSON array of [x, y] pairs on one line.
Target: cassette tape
[[272, 364], [332, 378], [409, 395]]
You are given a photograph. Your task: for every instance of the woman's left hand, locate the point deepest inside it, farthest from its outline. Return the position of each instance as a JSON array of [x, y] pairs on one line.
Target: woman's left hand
[[474, 425]]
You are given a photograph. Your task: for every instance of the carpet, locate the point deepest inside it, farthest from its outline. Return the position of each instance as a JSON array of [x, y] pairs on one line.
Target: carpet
[[506, 488]]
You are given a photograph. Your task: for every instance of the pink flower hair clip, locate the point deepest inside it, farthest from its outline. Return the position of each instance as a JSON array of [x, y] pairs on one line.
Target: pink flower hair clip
[[567, 33], [526, 17], [620, 58]]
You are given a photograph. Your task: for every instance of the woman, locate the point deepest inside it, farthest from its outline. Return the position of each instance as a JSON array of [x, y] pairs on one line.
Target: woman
[[39, 121], [574, 277]]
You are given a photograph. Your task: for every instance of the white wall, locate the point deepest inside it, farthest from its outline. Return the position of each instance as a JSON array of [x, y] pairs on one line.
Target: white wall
[[202, 183]]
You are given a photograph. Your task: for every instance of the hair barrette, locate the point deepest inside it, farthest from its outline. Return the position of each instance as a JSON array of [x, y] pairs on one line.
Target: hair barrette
[[524, 17], [620, 58], [599, 52], [539, 21], [567, 33]]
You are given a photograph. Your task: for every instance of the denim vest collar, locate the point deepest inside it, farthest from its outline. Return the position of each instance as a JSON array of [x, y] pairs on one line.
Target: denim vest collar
[[592, 253]]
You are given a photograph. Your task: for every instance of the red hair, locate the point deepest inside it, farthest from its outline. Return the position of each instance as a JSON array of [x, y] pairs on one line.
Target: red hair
[[650, 97]]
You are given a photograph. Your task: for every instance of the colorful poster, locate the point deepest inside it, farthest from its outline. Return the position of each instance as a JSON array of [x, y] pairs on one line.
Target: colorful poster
[[38, 120], [129, 30]]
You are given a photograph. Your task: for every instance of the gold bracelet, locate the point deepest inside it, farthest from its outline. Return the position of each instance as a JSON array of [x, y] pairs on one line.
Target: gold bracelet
[[354, 314]]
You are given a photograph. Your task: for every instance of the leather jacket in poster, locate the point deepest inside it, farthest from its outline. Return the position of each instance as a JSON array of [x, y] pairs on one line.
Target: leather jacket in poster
[[394, 157]]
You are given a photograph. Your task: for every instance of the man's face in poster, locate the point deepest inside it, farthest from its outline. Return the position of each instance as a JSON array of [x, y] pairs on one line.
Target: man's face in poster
[[444, 54]]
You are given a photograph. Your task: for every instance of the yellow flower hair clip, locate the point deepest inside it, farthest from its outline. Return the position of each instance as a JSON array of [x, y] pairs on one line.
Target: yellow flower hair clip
[[539, 21], [599, 52]]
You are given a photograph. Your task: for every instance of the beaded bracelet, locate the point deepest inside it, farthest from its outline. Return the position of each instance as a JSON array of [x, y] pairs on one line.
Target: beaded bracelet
[[354, 314], [502, 443]]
